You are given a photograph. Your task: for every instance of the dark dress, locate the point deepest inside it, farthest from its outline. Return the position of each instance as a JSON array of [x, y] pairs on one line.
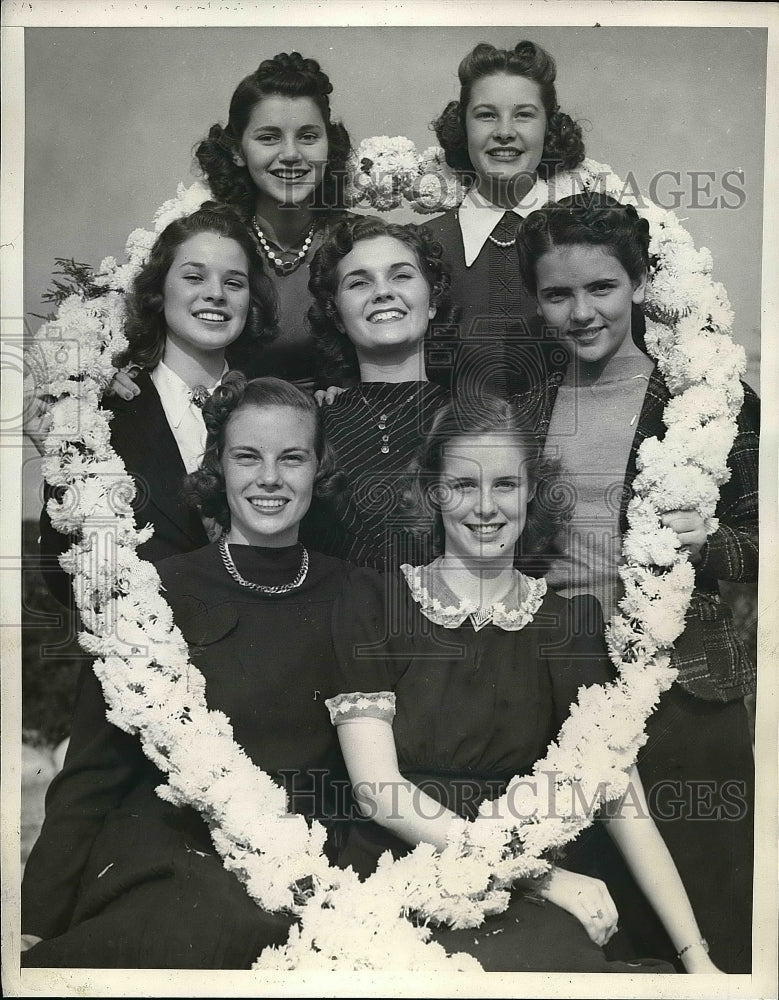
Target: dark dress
[[495, 341], [120, 878], [697, 765], [292, 355], [473, 709], [366, 524]]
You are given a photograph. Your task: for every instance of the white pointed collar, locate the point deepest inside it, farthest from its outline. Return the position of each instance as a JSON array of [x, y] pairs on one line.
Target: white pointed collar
[[174, 391], [478, 217]]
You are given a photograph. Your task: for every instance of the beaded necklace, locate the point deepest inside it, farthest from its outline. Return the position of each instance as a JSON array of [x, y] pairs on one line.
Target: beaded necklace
[[284, 266]]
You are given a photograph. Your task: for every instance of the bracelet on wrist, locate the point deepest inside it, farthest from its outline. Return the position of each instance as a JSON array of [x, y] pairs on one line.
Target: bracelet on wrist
[[703, 943]]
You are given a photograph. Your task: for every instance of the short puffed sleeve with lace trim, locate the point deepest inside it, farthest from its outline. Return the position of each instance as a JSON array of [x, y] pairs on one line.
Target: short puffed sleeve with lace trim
[[361, 705], [369, 662]]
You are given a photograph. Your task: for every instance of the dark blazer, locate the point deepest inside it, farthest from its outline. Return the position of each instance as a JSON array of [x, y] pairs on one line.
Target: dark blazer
[[712, 660], [141, 436]]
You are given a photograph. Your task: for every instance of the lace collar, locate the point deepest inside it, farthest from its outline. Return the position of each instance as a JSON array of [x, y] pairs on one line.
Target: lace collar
[[440, 605]]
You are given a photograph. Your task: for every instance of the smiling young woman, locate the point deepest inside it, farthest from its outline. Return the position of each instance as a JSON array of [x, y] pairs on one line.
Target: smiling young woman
[[280, 161], [269, 464], [484, 496], [383, 299], [472, 670], [586, 294], [206, 300], [121, 878], [506, 137], [587, 259], [376, 287], [201, 296]]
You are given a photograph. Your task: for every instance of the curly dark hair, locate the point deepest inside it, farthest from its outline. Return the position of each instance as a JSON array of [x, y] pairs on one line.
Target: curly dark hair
[[338, 359], [288, 75], [591, 219], [204, 489], [145, 325], [467, 415], [563, 145]]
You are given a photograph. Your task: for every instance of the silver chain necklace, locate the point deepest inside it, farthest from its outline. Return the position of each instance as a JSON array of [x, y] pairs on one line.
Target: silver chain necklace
[[227, 559]]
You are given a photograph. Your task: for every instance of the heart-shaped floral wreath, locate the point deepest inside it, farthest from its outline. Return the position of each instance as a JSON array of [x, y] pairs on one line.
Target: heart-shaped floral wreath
[[153, 691]]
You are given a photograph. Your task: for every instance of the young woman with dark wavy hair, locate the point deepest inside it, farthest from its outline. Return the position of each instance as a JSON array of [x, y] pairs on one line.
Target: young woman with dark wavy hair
[[201, 298], [587, 259], [506, 137], [280, 162], [377, 287]]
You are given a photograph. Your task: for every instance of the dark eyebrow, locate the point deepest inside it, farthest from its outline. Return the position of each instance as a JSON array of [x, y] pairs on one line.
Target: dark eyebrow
[[243, 447], [566, 288], [351, 274], [491, 107], [197, 263], [362, 272], [275, 128], [253, 448], [459, 480]]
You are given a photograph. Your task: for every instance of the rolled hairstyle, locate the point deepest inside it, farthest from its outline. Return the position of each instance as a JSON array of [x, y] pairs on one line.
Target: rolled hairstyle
[[466, 416], [204, 489], [563, 145], [287, 75], [145, 325], [587, 219], [338, 358]]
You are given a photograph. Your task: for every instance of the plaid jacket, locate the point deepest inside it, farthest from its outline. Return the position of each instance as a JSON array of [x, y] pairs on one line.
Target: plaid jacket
[[711, 657]]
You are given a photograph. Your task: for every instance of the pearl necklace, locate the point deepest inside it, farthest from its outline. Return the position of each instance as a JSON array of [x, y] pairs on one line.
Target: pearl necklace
[[284, 266], [502, 243], [381, 421], [230, 566]]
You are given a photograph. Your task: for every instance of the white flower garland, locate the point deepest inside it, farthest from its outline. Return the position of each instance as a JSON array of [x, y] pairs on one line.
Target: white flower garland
[[154, 691]]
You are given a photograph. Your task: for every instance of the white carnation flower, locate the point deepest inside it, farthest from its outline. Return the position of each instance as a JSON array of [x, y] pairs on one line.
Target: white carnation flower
[[384, 170], [187, 200], [437, 187], [139, 244]]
